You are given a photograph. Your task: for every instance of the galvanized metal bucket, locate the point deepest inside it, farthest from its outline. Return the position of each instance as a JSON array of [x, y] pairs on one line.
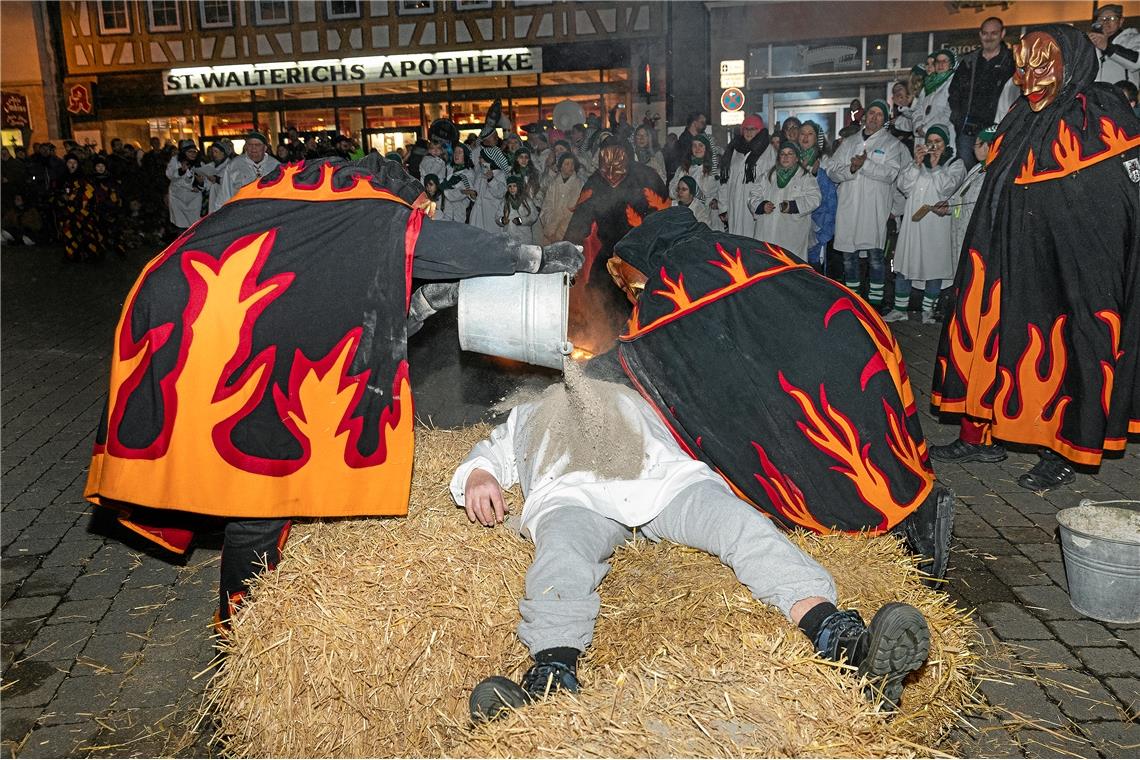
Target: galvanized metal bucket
[[1103, 570], [521, 317]]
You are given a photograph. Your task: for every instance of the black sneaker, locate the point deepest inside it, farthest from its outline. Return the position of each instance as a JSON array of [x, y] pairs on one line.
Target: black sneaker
[[1051, 471], [927, 533], [960, 451], [895, 645], [493, 696]]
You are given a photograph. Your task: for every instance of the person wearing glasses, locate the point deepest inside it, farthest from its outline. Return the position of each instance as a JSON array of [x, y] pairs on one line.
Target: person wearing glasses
[[1117, 48]]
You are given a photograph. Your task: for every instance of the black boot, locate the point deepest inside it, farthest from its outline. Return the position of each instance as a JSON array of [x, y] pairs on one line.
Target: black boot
[[960, 451], [895, 645], [1051, 471], [493, 696], [927, 533]]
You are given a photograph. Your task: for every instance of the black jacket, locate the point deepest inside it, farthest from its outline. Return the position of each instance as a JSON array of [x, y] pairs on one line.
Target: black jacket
[[975, 90]]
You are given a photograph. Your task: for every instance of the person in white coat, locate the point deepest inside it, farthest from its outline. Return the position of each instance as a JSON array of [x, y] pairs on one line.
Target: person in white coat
[[748, 157], [589, 480], [221, 153], [560, 199], [184, 196], [253, 164], [782, 201], [458, 185], [519, 213], [687, 197], [923, 253], [1118, 49], [645, 150], [960, 205], [864, 168], [699, 166], [491, 169], [931, 105]]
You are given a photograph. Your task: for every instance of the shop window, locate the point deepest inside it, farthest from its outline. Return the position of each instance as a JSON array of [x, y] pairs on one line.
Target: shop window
[[305, 93], [824, 56], [876, 59], [391, 88], [114, 17], [271, 11], [524, 80], [415, 7], [216, 13], [569, 77], [341, 9], [615, 75], [915, 48], [162, 15], [228, 124], [473, 5], [478, 83], [229, 96], [758, 61]]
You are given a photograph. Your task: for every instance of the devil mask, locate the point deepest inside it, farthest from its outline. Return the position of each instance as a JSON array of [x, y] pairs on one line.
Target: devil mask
[[613, 162], [1039, 69]]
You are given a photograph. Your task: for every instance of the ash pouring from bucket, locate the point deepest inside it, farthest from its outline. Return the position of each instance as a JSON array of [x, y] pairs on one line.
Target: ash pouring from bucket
[[581, 419]]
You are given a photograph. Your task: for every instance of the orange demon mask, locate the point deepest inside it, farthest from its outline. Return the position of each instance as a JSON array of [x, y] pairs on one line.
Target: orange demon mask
[[628, 278], [1039, 70], [613, 164]]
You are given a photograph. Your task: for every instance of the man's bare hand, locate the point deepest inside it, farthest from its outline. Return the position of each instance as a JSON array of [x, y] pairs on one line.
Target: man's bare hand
[[1099, 41], [483, 499]]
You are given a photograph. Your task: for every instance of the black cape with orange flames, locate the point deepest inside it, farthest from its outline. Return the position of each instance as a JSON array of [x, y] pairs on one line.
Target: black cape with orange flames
[[259, 366], [780, 379], [1043, 342], [602, 215]]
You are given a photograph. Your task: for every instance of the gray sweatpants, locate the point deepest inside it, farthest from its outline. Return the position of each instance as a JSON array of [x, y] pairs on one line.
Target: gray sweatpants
[[573, 546]]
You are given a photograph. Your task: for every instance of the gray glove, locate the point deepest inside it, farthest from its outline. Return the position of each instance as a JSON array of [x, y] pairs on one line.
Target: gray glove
[[429, 299], [561, 257]]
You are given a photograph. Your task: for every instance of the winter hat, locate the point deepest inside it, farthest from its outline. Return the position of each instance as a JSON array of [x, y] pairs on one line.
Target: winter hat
[[431, 177], [948, 152], [791, 145], [882, 106], [690, 183], [394, 156], [184, 145], [705, 139], [988, 134], [255, 135], [752, 121], [515, 180]]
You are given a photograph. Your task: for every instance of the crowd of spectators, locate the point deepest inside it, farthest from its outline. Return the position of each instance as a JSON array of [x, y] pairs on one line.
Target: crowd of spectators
[[882, 197]]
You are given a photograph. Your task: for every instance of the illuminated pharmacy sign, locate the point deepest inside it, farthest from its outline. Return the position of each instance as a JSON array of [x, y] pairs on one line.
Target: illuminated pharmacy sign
[[377, 68]]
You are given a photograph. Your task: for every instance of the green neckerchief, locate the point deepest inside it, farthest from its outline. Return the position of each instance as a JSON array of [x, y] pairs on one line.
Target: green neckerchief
[[784, 176], [694, 161], [934, 81], [808, 155]]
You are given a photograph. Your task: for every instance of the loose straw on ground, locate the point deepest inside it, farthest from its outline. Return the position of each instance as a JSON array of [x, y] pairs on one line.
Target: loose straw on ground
[[370, 634]]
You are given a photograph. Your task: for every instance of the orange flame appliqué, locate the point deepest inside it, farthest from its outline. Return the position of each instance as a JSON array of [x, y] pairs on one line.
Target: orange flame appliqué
[[632, 218], [974, 350], [833, 433], [733, 265], [1067, 152], [1036, 391], [1108, 371], [317, 409], [286, 187]]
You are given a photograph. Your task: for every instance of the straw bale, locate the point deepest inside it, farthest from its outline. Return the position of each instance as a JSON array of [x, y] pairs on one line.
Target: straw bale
[[370, 634]]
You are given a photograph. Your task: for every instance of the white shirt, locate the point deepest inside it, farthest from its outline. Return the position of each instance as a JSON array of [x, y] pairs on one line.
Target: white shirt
[[667, 470]]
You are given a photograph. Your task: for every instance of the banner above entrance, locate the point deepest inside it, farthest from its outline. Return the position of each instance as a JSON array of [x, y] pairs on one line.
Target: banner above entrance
[[377, 68]]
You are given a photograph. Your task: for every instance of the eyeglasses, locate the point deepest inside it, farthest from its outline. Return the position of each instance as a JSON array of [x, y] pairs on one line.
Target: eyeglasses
[[1108, 19]]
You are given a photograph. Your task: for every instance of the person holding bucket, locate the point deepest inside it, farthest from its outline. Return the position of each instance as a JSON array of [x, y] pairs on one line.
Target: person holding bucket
[[260, 372]]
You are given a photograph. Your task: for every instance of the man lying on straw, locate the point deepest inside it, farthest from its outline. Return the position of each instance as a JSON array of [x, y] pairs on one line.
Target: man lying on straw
[[596, 464]]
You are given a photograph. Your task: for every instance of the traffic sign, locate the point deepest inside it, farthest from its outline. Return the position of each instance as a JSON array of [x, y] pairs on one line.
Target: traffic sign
[[732, 99]]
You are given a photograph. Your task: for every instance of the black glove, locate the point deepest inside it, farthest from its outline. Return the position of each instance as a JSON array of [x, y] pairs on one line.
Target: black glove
[[429, 299], [561, 257]]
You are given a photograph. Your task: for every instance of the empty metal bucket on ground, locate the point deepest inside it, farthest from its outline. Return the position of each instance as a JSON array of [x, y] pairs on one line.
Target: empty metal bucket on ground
[[523, 316], [1102, 563]]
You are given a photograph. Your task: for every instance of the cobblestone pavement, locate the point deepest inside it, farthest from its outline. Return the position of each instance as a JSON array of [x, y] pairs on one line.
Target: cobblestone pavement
[[106, 646]]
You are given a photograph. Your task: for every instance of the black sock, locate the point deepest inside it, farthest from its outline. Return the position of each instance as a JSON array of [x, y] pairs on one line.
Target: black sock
[[812, 620], [567, 656]]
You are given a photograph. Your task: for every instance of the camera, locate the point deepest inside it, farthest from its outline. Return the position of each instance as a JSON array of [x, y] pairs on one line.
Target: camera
[[1098, 26]]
